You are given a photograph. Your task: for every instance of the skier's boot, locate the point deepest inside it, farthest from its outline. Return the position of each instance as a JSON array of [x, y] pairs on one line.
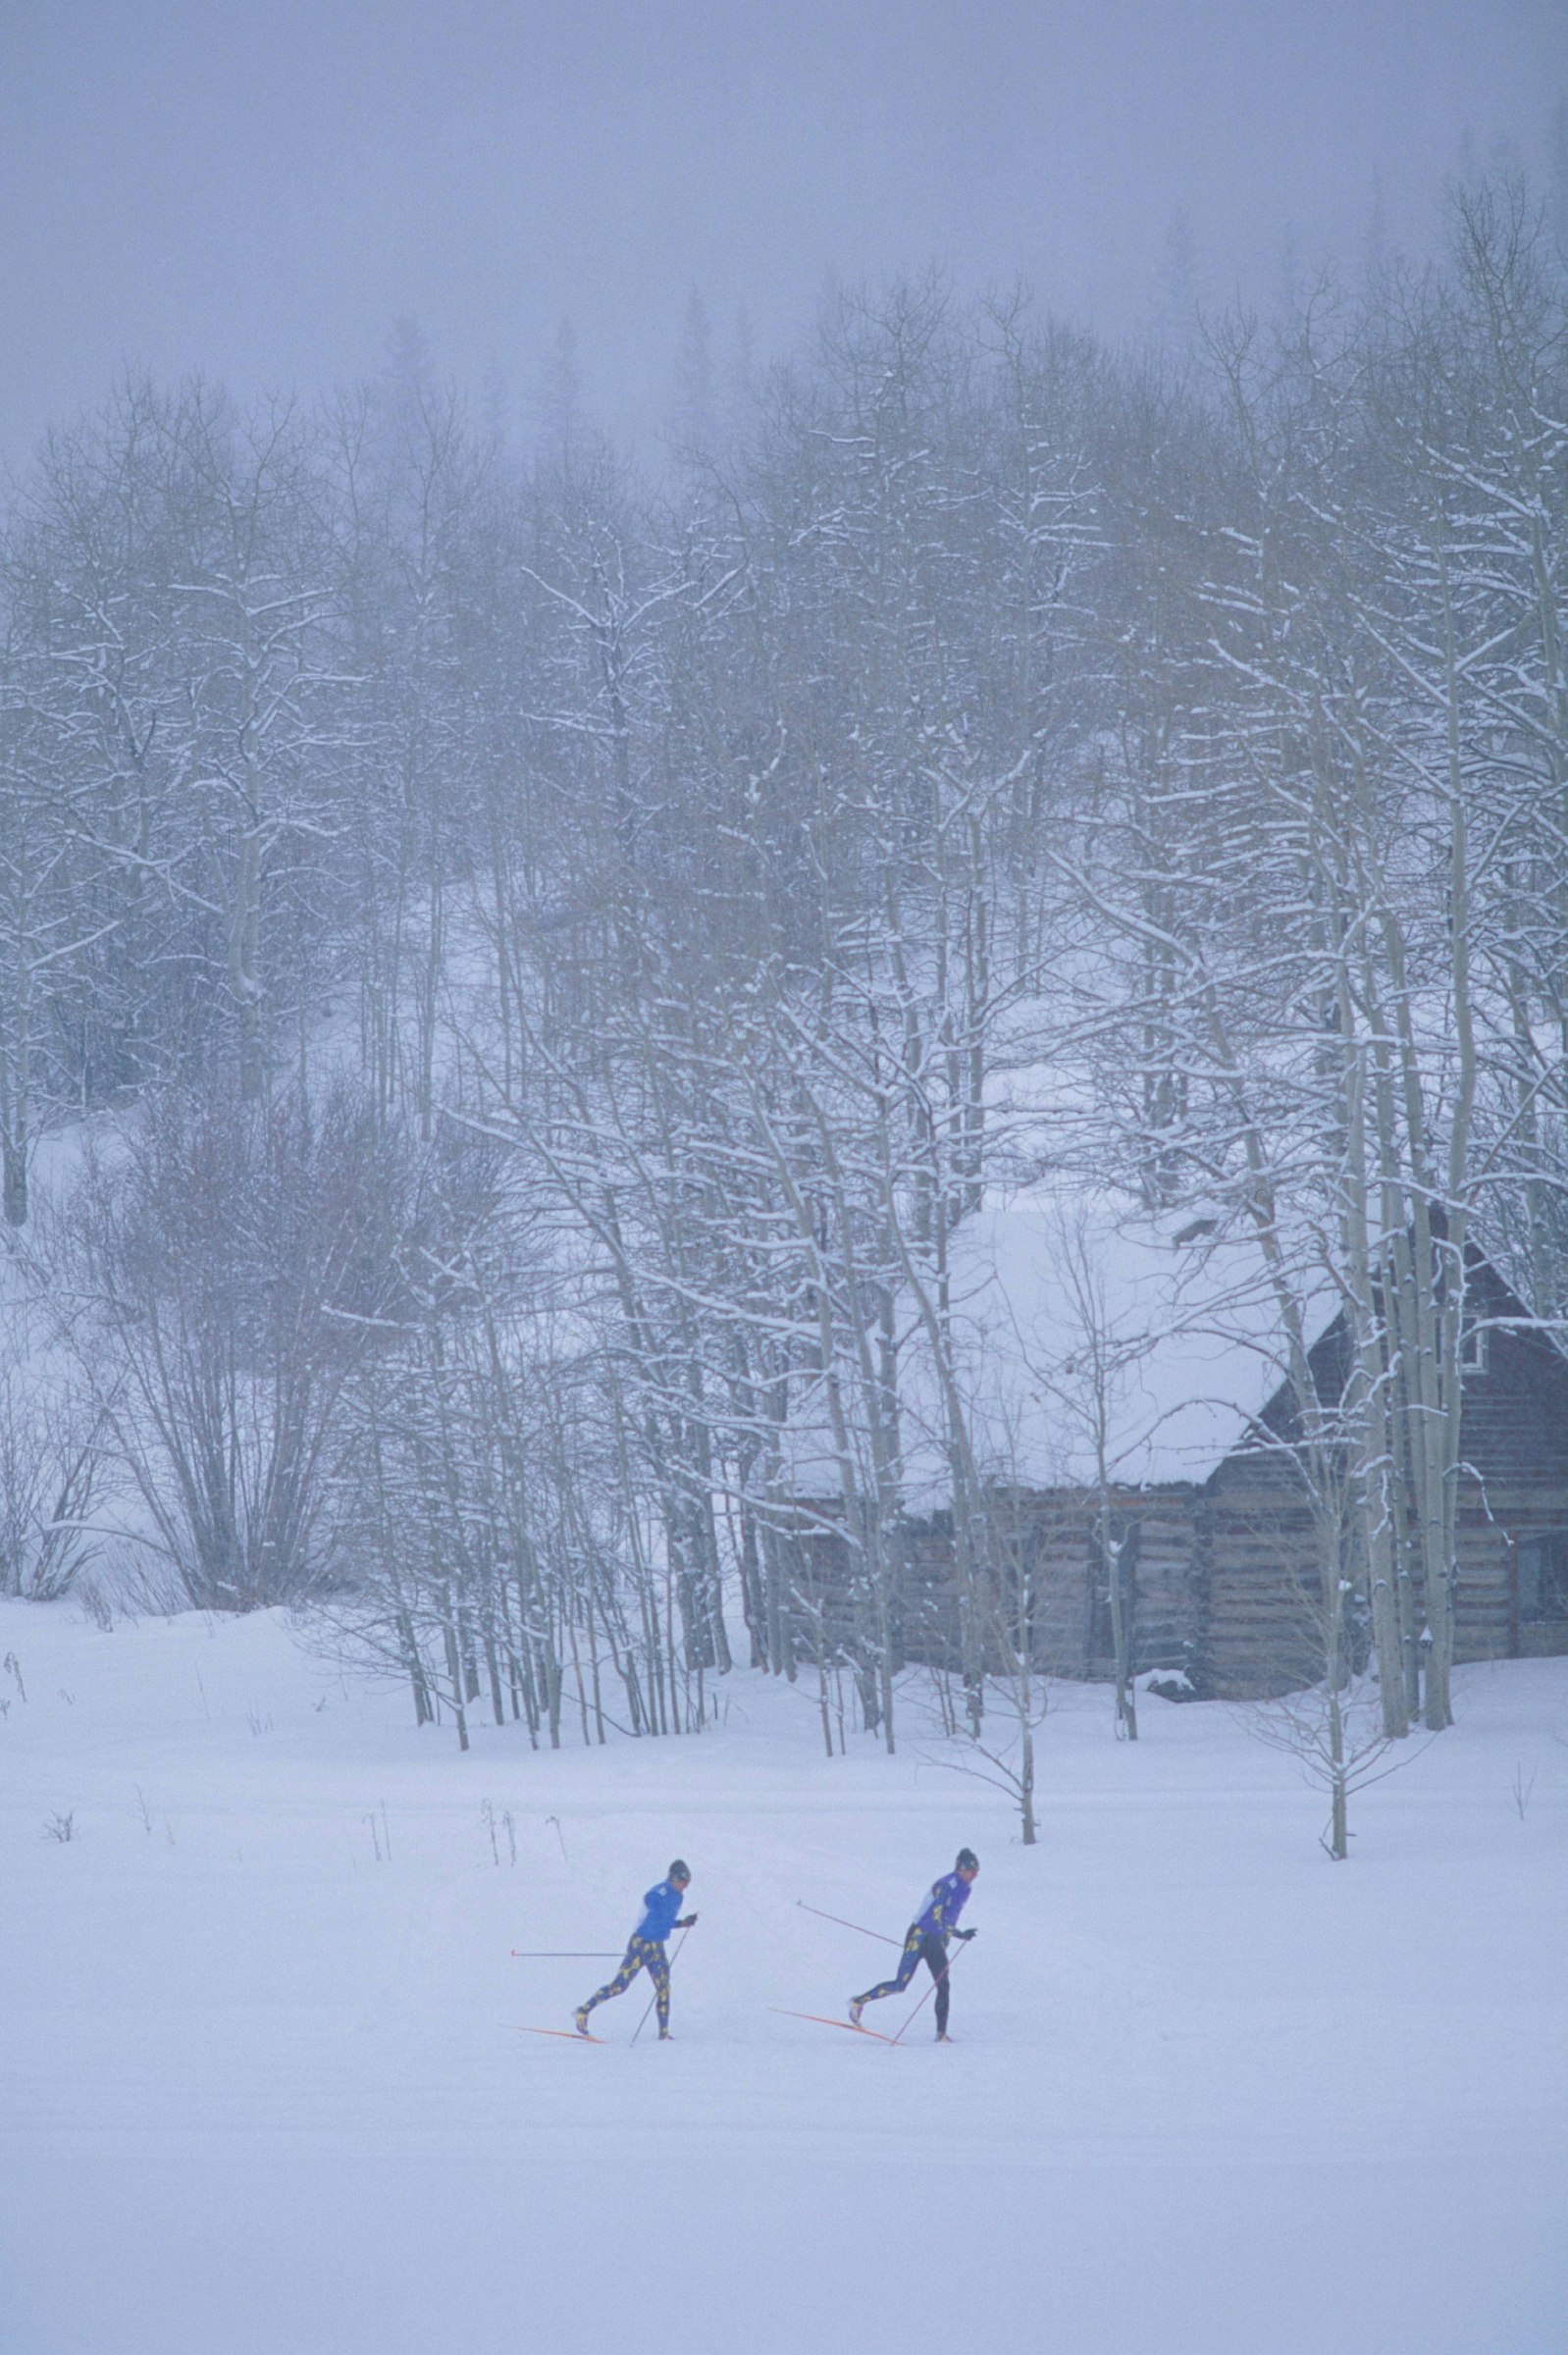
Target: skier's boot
[[580, 2020], [857, 2006]]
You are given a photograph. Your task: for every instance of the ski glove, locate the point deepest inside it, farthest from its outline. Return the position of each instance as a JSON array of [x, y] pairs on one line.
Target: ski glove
[[685, 1922], [966, 1935]]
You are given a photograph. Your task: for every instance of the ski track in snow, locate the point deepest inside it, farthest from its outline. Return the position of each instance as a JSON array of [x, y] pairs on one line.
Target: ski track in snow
[[259, 2093]]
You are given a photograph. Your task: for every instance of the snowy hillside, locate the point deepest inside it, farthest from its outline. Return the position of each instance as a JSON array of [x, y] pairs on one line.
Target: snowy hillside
[[262, 2094]]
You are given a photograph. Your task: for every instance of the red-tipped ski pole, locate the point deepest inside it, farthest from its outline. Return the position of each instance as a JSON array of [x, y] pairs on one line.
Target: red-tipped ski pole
[[674, 1959], [552, 1953], [847, 1925], [944, 1973]]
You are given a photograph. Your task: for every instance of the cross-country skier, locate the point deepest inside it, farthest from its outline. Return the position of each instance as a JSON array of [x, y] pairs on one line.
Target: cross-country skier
[[660, 1907], [927, 1941]]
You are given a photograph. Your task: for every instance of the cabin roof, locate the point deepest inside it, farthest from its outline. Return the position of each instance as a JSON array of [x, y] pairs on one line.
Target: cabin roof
[[1084, 1332]]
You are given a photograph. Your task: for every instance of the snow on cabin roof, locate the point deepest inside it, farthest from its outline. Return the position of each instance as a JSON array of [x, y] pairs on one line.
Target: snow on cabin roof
[[1079, 1325]]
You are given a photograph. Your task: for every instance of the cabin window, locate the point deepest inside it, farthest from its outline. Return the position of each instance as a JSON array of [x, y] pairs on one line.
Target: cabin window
[[1473, 1349], [1543, 1564]]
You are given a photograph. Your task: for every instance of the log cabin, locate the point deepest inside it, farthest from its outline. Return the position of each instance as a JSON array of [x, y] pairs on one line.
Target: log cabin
[[1191, 1473]]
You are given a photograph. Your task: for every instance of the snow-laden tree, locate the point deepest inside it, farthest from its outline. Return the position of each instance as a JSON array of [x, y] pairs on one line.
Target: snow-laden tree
[[983, 756]]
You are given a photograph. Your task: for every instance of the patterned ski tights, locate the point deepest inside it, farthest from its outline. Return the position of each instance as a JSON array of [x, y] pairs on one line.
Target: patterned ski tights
[[643, 1954], [921, 1946]]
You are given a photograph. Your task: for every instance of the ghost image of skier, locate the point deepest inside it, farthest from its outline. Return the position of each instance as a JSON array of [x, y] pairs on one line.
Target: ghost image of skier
[[661, 1914], [927, 1941]]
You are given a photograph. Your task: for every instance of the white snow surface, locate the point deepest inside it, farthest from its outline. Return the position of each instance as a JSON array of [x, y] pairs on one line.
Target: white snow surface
[[1080, 1325], [261, 2094]]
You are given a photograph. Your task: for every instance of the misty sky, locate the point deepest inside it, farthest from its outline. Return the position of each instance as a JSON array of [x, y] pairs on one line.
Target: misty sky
[[262, 186]]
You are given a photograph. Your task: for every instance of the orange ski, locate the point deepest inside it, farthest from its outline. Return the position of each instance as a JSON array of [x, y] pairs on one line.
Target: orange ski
[[570, 2034], [851, 2027]]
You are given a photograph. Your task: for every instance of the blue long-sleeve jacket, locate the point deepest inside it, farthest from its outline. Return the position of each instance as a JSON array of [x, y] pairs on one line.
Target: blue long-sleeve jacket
[[659, 1908], [945, 1901]]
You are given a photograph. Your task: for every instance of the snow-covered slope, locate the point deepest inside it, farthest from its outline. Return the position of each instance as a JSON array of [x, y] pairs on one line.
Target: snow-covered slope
[[261, 2091]]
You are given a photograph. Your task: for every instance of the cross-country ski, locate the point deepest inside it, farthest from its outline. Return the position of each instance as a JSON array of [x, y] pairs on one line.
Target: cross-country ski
[[823, 2020]]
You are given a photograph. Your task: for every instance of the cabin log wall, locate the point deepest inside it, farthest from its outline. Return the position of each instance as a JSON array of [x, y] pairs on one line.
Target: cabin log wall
[[1225, 1577]]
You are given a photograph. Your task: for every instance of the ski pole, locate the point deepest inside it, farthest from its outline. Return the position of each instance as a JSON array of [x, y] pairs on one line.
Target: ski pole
[[551, 1953], [847, 1926], [674, 1959], [936, 1982]]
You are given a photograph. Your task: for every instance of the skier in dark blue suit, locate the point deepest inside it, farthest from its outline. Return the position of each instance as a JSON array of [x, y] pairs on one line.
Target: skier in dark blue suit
[[645, 1951], [927, 1941]]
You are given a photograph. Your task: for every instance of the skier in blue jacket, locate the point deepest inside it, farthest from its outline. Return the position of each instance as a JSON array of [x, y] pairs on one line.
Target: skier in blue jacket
[[927, 1941], [660, 1909]]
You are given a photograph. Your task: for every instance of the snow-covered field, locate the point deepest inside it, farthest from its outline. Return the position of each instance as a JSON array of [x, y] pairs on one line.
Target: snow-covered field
[[261, 2093]]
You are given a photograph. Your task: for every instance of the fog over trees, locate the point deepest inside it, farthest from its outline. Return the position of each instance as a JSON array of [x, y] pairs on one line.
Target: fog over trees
[[511, 975]]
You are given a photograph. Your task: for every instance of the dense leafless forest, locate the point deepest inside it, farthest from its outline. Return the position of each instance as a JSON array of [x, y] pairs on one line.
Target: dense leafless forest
[[511, 978]]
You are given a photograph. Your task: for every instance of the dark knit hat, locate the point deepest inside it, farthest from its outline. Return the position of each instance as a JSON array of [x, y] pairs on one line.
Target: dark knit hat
[[967, 1862], [680, 1870]]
